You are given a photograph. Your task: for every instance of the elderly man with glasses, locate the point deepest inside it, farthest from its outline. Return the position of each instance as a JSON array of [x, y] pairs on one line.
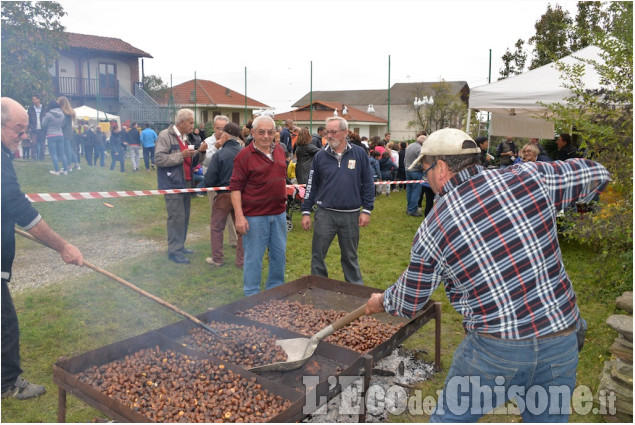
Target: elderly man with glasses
[[259, 198], [16, 208], [341, 184]]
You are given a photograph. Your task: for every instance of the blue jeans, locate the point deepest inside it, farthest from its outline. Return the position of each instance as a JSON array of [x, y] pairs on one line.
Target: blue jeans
[[56, 149], [265, 231], [71, 158], [148, 156], [539, 373], [413, 190]]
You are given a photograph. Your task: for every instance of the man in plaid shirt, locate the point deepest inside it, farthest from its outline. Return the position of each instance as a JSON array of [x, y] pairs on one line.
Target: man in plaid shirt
[[492, 239]]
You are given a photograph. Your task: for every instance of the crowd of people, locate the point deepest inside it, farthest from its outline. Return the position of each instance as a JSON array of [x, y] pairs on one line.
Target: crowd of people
[[499, 261], [70, 139]]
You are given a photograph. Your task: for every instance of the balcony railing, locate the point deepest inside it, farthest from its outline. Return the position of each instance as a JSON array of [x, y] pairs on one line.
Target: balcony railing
[[85, 87]]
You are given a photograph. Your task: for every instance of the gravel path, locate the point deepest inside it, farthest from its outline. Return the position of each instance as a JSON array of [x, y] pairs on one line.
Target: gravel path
[[38, 266]]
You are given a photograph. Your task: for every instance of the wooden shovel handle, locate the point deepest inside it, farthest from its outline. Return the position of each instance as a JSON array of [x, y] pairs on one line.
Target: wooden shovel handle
[[129, 285], [353, 315]]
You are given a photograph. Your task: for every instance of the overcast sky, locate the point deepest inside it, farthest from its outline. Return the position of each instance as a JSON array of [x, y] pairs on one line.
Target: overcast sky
[[348, 41]]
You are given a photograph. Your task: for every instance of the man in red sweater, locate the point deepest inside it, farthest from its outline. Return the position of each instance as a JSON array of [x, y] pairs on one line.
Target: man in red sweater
[[258, 193]]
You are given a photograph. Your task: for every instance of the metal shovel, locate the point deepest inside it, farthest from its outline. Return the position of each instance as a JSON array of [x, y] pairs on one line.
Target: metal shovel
[[299, 350]]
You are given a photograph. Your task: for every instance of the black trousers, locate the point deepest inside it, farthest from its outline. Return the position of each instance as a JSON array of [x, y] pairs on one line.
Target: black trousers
[[10, 340], [88, 151], [428, 193]]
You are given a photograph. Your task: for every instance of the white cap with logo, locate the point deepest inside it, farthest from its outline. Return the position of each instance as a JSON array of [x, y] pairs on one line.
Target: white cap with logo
[[447, 141]]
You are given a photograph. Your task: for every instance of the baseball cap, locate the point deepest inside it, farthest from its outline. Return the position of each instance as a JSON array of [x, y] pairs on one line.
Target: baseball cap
[[232, 129], [449, 141]]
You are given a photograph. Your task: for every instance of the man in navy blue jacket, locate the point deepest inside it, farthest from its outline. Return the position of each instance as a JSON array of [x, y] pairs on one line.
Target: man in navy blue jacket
[[285, 135], [16, 208], [219, 174], [340, 183]]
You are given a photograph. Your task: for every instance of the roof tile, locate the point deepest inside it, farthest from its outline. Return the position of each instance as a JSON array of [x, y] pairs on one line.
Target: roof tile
[[354, 115], [209, 93], [104, 44]]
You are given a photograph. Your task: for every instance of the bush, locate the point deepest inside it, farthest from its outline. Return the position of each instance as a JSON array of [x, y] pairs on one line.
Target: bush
[[608, 227]]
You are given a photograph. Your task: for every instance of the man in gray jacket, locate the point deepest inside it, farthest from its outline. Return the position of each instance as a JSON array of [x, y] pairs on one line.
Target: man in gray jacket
[[174, 160]]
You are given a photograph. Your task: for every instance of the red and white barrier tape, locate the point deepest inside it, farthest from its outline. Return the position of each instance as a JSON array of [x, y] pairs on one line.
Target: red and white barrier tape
[[73, 196]]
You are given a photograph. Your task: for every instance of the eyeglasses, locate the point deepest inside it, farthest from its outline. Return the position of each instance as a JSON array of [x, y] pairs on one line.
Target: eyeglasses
[[19, 133], [267, 132], [425, 173], [334, 131]]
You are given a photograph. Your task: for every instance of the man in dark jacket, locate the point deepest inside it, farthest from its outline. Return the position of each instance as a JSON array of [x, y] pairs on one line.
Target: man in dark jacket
[[16, 208], [88, 138], [36, 113], [285, 135], [317, 138], [340, 184], [566, 150], [219, 174]]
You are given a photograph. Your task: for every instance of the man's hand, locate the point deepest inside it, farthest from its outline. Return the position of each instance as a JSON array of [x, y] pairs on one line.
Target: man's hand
[[242, 225], [187, 153], [364, 219], [306, 222], [375, 304], [71, 255]]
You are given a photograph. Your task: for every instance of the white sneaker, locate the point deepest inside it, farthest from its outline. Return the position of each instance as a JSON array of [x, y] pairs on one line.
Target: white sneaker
[[55, 173], [78, 168], [65, 173], [211, 262]]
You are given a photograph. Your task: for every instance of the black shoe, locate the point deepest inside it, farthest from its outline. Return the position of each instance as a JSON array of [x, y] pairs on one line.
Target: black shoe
[[179, 258], [187, 251], [414, 214]]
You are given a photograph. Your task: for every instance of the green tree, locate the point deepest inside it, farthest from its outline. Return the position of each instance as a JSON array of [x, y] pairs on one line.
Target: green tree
[[557, 35], [155, 87], [603, 120], [32, 36], [552, 38], [446, 108], [514, 63], [590, 21]]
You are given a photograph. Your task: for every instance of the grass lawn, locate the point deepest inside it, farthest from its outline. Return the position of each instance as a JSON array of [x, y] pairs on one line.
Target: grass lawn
[[80, 314]]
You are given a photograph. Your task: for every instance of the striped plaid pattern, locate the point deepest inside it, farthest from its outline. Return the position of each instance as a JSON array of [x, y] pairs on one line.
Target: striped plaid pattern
[[492, 239]]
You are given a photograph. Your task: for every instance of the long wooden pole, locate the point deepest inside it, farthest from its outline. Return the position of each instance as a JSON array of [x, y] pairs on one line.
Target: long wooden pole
[[130, 285]]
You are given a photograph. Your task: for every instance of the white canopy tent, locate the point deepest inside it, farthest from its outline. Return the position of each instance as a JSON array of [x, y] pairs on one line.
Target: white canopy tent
[[93, 115], [518, 103]]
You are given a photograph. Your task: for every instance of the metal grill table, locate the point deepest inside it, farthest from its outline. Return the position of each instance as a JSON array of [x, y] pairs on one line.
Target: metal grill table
[[328, 361]]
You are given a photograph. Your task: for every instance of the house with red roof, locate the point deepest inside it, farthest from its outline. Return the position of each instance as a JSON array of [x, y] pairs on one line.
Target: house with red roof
[[396, 104], [208, 99], [360, 122], [101, 72]]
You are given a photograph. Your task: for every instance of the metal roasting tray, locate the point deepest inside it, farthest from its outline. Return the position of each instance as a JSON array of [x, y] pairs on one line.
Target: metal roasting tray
[[65, 369], [329, 294], [329, 360]]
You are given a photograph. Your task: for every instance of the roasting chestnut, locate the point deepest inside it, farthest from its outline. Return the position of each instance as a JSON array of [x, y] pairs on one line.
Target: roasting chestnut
[[361, 335], [167, 386]]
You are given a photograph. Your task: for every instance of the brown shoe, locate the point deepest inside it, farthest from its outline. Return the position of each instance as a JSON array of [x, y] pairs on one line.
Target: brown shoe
[[23, 390]]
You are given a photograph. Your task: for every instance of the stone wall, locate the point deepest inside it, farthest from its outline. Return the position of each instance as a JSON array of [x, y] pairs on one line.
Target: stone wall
[[617, 375]]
